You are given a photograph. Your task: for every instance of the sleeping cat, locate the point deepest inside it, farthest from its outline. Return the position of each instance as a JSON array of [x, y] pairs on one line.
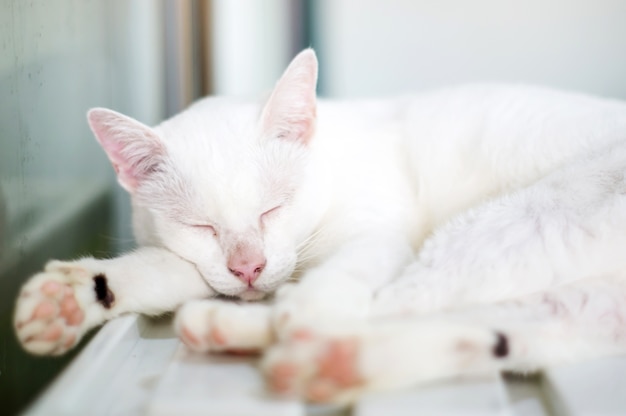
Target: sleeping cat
[[402, 240]]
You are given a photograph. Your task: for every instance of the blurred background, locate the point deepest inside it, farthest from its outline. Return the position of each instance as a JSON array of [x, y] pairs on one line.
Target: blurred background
[[151, 58]]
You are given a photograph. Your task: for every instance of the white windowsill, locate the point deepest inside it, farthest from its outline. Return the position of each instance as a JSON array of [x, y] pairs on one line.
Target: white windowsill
[[135, 366]]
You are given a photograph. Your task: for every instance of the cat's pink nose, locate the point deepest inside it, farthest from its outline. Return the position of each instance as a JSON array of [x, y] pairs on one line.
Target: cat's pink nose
[[246, 270]]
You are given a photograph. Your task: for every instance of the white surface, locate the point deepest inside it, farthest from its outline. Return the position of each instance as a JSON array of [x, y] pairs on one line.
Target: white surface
[[526, 396], [486, 397], [215, 385], [135, 366], [594, 388], [115, 374], [374, 47], [80, 386], [251, 45]]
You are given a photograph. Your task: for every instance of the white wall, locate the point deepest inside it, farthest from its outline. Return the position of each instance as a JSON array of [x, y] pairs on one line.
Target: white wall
[[251, 41], [373, 47]]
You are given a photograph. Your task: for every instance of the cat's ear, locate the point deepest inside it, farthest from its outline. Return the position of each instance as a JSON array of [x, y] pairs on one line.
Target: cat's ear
[[134, 149], [291, 109]]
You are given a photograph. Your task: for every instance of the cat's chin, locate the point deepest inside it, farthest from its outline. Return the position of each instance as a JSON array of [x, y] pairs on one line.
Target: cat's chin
[[251, 295]]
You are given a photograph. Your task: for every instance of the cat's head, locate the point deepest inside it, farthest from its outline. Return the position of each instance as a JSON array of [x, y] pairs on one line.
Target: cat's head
[[222, 184]]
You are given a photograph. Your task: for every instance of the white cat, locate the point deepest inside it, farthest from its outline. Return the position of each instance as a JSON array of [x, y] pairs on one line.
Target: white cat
[[455, 232]]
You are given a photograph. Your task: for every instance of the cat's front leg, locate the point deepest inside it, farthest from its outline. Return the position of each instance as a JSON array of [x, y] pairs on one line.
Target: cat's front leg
[[213, 325], [341, 288], [58, 306]]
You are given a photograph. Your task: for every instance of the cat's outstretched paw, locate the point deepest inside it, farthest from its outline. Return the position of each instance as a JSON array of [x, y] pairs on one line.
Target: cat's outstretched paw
[[52, 308], [222, 326], [320, 369]]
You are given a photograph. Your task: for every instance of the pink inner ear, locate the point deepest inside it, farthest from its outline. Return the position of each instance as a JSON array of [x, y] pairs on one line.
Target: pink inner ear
[[290, 112], [297, 130], [133, 148]]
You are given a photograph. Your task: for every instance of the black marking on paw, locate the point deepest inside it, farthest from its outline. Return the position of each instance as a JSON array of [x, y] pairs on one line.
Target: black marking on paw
[[501, 349], [103, 293]]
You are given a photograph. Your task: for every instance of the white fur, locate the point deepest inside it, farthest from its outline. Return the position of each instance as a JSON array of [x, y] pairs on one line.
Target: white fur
[[411, 205]]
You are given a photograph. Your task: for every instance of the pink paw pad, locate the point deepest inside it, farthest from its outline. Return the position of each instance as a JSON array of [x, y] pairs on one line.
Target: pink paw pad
[[281, 377], [48, 316], [339, 361], [59, 302], [70, 311], [188, 338], [52, 333], [217, 338], [45, 310], [336, 370], [51, 288], [320, 370], [214, 338], [202, 342], [301, 335]]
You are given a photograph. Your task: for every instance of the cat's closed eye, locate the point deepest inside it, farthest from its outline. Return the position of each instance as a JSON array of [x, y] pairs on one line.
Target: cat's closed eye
[[269, 214], [205, 227]]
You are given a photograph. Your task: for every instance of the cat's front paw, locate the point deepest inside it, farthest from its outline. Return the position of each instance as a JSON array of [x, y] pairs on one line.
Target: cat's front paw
[[222, 326], [315, 367], [51, 313]]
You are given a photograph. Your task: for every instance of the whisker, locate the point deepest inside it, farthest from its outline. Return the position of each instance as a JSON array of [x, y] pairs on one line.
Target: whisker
[[304, 254], [312, 239]]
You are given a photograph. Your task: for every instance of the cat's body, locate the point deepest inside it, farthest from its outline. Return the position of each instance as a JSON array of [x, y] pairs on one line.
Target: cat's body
[[523, 188]]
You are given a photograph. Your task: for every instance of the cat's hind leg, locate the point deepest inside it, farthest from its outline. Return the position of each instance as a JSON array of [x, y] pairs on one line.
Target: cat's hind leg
[[56, 307], [571, 323], [339, 364]]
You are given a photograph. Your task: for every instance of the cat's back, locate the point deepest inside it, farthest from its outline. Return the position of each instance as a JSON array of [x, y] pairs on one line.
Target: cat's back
[[510, 114], [523, 130], [470, 142]]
